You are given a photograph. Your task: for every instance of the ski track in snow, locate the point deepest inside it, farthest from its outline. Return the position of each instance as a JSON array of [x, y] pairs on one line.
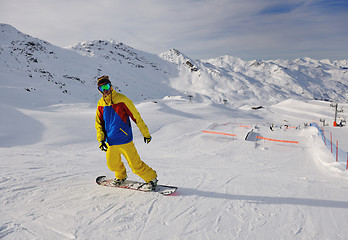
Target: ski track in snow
[[229, 188]]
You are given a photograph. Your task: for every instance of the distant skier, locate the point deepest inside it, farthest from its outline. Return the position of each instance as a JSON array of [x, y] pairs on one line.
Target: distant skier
[[114, 132]]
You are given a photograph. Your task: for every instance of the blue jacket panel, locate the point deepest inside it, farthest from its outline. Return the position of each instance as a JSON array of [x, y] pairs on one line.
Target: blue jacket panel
[[117, 131]]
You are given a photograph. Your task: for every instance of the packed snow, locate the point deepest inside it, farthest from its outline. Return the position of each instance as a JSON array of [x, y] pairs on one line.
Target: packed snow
[[229, 187]]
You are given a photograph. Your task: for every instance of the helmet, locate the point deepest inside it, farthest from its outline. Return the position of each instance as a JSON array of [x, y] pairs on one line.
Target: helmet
[[103, 80]]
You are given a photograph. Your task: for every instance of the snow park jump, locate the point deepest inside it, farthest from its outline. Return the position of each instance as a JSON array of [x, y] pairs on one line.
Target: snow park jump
[[257, 136], [220, 133], [276, 140]]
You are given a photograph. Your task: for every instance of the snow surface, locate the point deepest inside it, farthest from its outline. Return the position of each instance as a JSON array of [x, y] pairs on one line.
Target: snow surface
[[229, 187]]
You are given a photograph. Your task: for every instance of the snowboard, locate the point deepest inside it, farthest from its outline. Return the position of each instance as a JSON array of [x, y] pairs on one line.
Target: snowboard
[[134, 185]]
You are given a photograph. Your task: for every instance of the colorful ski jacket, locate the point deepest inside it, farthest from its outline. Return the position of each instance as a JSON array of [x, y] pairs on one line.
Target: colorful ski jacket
[[112, 119]]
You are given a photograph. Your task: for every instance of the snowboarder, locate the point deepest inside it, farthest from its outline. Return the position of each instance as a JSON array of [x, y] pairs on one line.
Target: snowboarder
[[114, 132]]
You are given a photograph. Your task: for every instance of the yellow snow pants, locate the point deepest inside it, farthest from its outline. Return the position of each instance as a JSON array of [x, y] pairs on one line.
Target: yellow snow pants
[[128, 150]]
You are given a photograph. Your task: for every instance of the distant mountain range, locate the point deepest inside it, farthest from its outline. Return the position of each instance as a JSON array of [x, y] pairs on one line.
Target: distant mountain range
[[71, 72]]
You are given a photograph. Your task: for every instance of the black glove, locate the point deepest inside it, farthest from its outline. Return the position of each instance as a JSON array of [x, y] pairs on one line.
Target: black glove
[[147, 140], [103, 146]]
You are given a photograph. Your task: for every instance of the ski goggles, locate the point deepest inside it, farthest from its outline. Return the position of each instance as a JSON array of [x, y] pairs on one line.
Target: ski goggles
[[104, 87]]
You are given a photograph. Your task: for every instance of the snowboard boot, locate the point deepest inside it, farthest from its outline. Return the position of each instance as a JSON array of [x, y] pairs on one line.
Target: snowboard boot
[[118, 182], [150, 186]]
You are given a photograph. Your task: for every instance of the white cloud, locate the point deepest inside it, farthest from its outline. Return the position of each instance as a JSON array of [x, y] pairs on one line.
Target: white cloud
[[201, 29]]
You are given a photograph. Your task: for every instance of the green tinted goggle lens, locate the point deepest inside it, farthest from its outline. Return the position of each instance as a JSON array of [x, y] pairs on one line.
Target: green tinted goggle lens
[[104, 87]]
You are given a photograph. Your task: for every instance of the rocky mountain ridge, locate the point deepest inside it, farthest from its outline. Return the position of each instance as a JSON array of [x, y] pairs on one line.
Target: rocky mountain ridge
[[73, 70]]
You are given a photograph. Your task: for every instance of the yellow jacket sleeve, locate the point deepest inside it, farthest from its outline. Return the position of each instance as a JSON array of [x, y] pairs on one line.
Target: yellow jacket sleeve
[[135, 115], [99, 124]]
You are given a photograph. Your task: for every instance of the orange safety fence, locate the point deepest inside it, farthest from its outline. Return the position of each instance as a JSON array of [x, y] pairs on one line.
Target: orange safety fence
[[221, 133], [276, 140], [245, 126]]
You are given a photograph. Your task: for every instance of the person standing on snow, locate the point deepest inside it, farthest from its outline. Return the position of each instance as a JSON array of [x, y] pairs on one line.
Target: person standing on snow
[[114, 132]]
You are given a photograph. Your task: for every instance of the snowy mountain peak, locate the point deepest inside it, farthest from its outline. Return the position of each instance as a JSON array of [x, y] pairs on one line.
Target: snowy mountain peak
[[10, 34], [100, 48], [111, 50], [20, 50], [145, 75], [175, 56]]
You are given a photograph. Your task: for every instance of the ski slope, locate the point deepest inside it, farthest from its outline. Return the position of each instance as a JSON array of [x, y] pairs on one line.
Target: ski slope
[[229, 188]]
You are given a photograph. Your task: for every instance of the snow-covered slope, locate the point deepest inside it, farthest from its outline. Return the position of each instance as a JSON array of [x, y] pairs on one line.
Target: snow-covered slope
[[35, 65], [229, 188], [232, 79]]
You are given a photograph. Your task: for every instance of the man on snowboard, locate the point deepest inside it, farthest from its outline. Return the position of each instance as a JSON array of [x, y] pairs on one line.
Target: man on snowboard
[[114, 132]]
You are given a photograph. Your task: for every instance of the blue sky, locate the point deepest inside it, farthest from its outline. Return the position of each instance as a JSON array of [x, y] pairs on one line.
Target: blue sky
[[249, 29]]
